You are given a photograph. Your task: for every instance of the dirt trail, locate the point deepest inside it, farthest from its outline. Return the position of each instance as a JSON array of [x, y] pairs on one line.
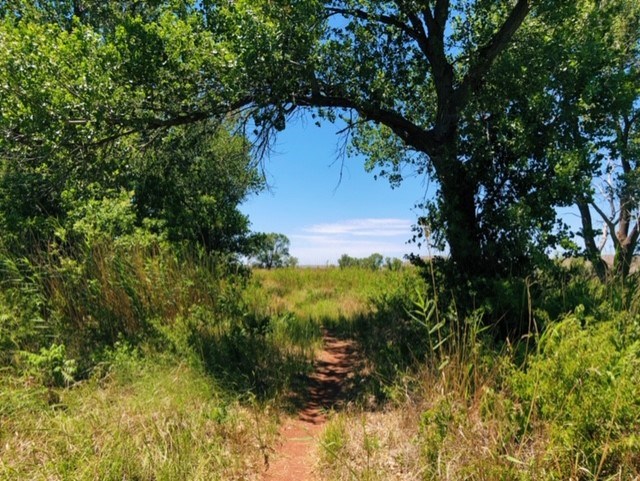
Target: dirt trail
[[294, 458]]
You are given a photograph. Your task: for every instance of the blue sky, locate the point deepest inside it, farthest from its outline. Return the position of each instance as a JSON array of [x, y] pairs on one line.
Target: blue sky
[[325, 215]]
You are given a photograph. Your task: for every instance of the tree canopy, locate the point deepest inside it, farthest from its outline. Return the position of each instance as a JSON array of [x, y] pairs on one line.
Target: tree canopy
[[481, 96], [271, 251], [77, 94]]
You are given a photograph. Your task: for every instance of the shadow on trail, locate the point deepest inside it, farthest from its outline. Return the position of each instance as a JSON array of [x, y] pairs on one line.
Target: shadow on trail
[[332, 384], [360, 363], [245, 361], [361, 358], [389, 344]]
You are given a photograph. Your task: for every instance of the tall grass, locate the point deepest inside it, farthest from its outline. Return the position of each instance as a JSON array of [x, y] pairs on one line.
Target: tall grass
[[140, 348], [145, 420], [560, 403], [138, 361], [98, 294]]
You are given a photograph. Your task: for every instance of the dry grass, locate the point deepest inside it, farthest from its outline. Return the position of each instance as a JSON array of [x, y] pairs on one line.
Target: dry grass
[[434, 431], [371, 446], [440, 428], [158, 423]]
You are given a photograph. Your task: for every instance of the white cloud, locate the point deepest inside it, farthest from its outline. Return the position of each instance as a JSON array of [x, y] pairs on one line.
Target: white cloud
[[322, 243], [364, 227]]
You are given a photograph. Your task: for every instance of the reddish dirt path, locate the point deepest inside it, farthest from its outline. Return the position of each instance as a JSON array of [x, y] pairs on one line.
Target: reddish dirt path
[[294, 457]]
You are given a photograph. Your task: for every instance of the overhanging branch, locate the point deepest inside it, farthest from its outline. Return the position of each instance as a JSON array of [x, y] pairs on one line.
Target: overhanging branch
[[486, 55], [390, 20], [410, 133]]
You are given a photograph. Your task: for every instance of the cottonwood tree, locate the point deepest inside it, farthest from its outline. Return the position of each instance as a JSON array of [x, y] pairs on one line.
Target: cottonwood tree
[[618, 205], [597, 138], [418, 83], [272, 251]]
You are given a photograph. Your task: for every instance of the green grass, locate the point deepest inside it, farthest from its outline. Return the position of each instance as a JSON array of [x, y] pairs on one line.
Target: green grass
[[145, 420], [171, 368], [163, 367]]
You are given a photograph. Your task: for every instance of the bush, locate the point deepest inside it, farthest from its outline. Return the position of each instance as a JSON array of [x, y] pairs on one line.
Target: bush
[[585, 384], [373, 262], [114, 290], [51, 366]]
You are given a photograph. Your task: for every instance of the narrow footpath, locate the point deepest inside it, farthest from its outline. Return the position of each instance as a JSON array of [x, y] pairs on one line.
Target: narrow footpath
[[295, 456]]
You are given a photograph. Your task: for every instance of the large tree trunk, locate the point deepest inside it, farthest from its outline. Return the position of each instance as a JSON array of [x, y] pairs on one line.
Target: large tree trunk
[[458, 210]]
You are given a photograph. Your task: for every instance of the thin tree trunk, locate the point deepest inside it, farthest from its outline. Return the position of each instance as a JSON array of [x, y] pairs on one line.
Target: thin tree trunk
[[592, 251], [624, 257]]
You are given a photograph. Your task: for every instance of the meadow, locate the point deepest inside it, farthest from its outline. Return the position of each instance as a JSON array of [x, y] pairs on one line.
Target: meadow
[[137, 362], [139, 342]]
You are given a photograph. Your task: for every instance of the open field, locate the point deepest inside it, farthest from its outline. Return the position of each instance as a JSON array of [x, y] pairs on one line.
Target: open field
[[198, 389]]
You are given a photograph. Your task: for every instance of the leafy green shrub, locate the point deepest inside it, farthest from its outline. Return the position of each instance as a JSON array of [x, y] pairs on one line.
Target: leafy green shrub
[[585, 384], [107, 291], [22, 306], [393, 263], [562, 287], [51, 366], [434, 425]]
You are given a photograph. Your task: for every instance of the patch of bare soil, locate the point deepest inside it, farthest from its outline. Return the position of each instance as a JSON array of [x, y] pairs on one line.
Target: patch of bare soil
[[327, 389]]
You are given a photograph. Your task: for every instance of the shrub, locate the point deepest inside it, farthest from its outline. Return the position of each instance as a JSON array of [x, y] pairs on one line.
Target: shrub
[[51, 366], [584, 384]]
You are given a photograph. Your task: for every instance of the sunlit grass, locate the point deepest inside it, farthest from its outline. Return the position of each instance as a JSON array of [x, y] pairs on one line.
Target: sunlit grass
[[322, 294], [198, 392], [146, 421]]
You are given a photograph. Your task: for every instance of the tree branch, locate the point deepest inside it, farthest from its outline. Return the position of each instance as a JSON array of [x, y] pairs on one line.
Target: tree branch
[[390, 20], [611, 225], [421, 36], [140, 125], [410, 133], [486, 55], [441, 12]]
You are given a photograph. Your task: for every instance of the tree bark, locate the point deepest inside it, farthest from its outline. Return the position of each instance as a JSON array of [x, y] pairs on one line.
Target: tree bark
[[458, 209], [592, 252], [623, 259]]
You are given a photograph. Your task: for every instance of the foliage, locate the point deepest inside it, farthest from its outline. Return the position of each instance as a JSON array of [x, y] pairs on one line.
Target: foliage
[[477, 95], [51, 366], [322, 296], [583, 383], [467, 93], [559, 404], [393, 263], [373, 262], [123, 161], [69, 88], [110, 291], [185, 188], [597, 91], [271, 251]]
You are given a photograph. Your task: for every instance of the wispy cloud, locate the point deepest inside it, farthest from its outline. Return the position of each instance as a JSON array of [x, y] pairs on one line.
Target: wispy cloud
[[322, 243], [364, 227]]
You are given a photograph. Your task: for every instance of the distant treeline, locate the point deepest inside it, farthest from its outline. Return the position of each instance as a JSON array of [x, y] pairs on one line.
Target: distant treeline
[[374, 262]]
